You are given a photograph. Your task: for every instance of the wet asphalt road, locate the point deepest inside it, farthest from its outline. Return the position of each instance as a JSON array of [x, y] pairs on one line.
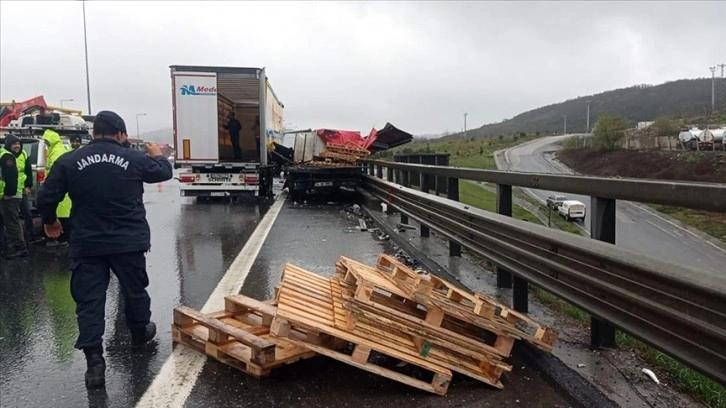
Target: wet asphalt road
[[193, 244], [192, 247], [636, 228]]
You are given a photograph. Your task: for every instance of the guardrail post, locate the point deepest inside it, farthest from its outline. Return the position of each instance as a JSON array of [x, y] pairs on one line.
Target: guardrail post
[[452, 188], [371, 168], [504, 207], [602, 227], [406, 182], [379, 172], [389, 174], [424, 181]]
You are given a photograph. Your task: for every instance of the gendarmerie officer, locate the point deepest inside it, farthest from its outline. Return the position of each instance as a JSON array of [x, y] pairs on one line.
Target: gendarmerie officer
[[109, 231]]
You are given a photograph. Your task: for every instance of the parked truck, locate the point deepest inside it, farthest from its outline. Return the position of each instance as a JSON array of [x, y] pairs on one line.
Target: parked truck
[[326, 162], [203, 98]]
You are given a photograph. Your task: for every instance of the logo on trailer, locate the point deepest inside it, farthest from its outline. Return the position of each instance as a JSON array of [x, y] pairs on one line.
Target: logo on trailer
[[198, 90]]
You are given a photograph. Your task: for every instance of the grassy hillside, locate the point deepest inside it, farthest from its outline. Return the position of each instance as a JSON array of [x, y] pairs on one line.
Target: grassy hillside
[[682, 98], [469, 152]]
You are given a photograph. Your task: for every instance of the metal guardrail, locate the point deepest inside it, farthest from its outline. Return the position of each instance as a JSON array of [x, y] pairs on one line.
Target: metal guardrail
[[676, 308], [702, 196]]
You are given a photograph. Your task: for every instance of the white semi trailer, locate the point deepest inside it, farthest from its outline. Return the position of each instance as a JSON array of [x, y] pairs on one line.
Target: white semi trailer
[[203, 98]]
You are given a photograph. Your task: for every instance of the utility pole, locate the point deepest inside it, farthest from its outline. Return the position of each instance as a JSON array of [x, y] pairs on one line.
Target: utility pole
[[565, 132], [713, 87], [465, 114], [85, 46], [587, 129], [722, 66], [137, 124]]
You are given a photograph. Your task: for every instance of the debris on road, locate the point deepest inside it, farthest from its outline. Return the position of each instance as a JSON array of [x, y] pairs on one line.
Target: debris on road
[[402, 226], [411, 323], [362, 224], [651, 375]]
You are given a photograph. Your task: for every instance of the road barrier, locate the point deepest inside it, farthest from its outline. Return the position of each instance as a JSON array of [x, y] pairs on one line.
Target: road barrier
[[677, 308]]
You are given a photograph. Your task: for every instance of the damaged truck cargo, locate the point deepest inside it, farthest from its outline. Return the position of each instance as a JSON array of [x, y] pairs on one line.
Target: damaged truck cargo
[[327, 162]]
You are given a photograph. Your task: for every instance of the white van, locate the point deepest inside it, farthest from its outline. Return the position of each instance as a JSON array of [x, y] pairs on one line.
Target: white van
[[572, 210]]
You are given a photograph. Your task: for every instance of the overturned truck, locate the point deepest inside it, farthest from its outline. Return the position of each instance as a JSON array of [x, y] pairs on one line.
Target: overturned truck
[[326, 162]]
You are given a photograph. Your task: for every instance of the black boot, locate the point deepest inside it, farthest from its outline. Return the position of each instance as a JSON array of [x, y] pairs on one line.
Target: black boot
[[96, 369], [141, 337]]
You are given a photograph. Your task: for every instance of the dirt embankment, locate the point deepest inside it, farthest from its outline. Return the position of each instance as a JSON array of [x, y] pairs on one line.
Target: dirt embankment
[[682, 166]]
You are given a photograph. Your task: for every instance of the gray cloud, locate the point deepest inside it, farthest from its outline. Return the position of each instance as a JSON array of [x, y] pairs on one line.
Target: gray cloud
[[420, 65]]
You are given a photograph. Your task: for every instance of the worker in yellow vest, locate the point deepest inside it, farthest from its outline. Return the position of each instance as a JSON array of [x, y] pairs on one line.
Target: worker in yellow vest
[[25, 184], [56, 149], [11, 197]]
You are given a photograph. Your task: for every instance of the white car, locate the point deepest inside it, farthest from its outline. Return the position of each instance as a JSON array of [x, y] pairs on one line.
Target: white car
[[572, 210]]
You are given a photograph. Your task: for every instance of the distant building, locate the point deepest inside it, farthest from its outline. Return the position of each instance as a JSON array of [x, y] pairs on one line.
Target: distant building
[[643, 125]]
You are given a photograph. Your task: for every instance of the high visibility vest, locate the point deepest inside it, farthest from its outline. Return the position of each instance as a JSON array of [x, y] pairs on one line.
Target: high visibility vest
[[21, 160], [3, 152]]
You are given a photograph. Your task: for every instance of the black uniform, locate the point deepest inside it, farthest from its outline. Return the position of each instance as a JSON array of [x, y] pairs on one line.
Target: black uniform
[[234, 126], [105, 182]]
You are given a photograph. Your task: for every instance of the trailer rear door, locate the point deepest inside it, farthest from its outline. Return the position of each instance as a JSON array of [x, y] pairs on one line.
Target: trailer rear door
[[196, 129]]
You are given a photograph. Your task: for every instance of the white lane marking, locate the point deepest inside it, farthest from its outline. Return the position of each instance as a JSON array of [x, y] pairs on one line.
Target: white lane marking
[[662, 229], [177, 377], [654, 214]]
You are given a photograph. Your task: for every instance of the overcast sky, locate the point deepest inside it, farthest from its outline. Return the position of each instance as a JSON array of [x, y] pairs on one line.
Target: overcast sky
[[418, 65]]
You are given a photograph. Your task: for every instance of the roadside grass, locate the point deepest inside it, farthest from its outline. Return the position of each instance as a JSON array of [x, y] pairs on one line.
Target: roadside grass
[[471, 152], [474, 162], [479, 197], [684, 378], [713, 224]]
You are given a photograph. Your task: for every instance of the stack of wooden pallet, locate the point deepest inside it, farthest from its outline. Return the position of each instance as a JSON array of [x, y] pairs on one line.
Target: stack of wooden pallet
[[343, 153], [361, 313]]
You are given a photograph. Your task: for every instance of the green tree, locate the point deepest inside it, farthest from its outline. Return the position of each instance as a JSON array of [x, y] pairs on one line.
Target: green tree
[[609, 129], [664, 126]]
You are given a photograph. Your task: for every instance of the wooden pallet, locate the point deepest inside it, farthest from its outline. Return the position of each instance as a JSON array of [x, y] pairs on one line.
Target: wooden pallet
[[349, 149], [307, 302], [437, 345], [238, 336], [326, 163], [428, 289], [338, 156], [431, 289], [464, 328]]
